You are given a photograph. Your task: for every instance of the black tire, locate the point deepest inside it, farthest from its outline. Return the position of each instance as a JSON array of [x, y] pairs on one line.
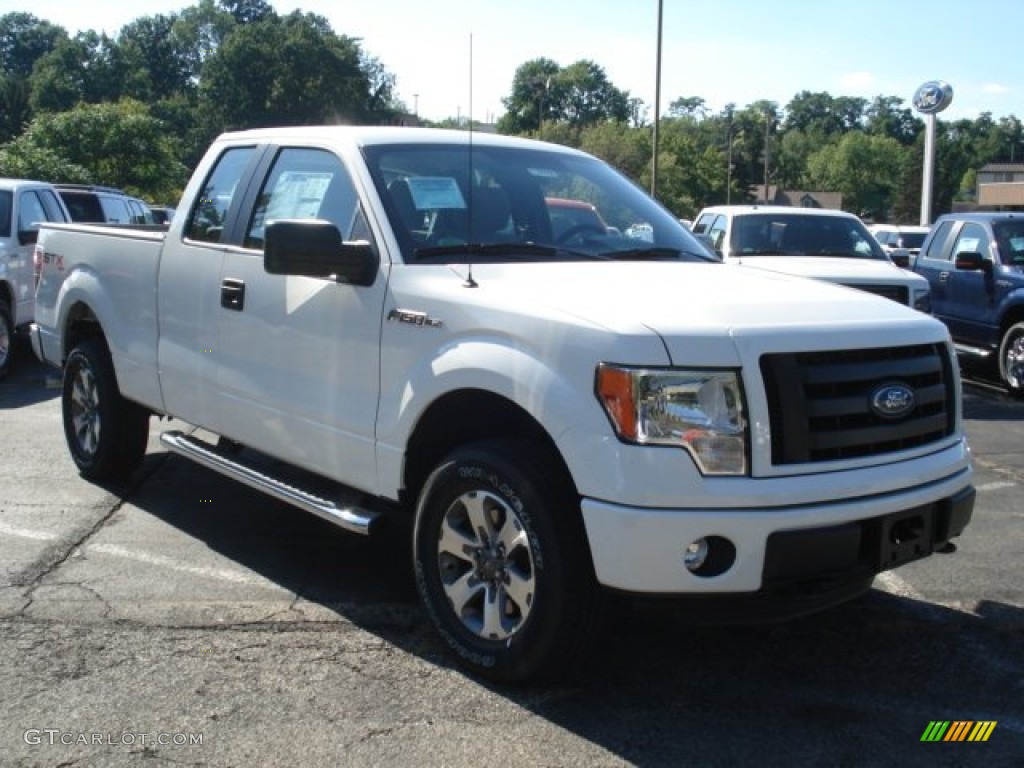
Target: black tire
[[105, 433], [6, 340], [1011, 360], [527, 550]]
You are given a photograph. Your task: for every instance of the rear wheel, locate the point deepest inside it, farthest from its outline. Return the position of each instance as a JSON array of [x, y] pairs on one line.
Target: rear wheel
[[6, 339], [501, 561], [1011, 360], [105, 433]]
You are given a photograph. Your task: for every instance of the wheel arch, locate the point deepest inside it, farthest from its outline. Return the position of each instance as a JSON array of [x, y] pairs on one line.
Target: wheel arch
[[465, 416], [80, 324]]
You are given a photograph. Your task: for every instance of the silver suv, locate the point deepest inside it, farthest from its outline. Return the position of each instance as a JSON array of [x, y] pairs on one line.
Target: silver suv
[[93, 203]]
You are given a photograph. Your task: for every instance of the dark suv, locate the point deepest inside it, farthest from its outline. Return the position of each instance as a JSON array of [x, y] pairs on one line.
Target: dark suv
[[92, 203], [975, 265]]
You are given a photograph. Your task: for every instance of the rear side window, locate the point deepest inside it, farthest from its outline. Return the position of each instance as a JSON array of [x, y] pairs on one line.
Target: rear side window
[[5, 213], [115, 210], [83, 206], [937, 247], [30, 212], [54, 211], [206, 222]]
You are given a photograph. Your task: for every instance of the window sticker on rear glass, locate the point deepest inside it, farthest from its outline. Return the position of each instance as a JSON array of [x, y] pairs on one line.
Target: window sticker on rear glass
[[433, 192]]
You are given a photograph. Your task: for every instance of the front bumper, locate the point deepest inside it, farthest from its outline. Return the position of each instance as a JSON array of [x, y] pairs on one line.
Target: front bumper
[[800, 549]]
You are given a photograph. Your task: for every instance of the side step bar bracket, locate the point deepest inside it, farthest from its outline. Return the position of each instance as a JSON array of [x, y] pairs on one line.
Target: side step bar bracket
[[351, 518]]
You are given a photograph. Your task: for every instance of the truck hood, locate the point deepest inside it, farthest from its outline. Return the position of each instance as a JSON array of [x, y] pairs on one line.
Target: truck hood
[[694, 307], [835, 269]]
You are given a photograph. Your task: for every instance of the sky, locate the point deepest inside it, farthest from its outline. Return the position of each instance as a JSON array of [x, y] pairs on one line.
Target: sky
[[457, 58]]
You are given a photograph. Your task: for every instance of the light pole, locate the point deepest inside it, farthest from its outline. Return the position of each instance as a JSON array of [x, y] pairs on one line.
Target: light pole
[[930, 99], [657, 108]]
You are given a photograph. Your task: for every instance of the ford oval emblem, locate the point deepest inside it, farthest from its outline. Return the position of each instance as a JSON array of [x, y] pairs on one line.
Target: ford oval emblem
[[892, 400], [933, 97]]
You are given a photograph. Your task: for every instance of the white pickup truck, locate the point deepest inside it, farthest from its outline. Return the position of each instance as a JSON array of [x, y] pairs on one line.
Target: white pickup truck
[[403, 320]]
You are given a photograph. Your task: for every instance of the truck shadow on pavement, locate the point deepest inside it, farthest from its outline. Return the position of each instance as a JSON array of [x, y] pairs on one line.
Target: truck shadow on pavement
[[855, 685], [30, 381]]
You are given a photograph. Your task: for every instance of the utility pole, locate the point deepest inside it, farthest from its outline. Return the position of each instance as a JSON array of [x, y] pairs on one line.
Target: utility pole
[[657, 108]]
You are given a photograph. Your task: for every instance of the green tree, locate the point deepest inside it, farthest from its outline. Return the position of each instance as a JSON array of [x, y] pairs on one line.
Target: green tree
[[155, 63], [532, 101], [287, 71], [886, 116], [864, 168], [579, 95], [119, 144], [24, 39], [80, 69]]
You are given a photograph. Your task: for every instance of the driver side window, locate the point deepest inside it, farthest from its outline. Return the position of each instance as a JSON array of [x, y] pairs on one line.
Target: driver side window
[[308, 184]]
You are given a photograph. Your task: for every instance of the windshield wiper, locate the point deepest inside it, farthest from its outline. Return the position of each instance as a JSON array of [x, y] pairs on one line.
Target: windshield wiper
[[500, 251]]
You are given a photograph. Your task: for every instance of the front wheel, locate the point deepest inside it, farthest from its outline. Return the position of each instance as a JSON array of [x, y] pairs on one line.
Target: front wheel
[[501, 561], [1011, 360], [105, 433]]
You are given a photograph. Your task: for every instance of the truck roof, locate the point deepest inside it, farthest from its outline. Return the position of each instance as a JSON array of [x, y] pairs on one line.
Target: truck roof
[[374, 134]]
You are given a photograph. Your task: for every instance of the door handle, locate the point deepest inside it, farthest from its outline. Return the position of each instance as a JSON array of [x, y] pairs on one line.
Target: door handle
[[232, 294]]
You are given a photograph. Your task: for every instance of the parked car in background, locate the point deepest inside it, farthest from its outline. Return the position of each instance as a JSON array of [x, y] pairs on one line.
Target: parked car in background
[[162, 214], [975, 265], [103, 205], [901, 241], [809, 242], [23, 205], [570, 217]]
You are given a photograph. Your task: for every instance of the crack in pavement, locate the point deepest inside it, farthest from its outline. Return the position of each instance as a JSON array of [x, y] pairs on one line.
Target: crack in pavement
[[54, 556]]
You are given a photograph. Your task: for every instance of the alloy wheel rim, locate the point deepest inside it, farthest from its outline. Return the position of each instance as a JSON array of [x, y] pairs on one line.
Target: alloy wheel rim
[[1014, 363], [85, 411], [486, 565]]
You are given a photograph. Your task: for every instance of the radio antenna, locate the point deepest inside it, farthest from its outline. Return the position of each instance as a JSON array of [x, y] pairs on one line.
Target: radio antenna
[[470, 282]]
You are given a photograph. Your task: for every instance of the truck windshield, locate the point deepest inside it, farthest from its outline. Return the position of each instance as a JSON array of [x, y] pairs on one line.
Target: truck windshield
[[795, 234], [455, 203]]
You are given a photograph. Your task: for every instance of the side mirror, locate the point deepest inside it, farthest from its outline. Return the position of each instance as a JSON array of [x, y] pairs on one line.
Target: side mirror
[[972, 261], [900, 257], [28, 236], [313, 248]]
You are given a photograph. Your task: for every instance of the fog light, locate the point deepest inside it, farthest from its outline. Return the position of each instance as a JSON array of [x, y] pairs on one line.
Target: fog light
[[695, 555], [709, 556]]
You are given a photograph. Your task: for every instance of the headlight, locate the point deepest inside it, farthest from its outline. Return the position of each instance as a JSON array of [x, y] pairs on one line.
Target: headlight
[[698, 410]]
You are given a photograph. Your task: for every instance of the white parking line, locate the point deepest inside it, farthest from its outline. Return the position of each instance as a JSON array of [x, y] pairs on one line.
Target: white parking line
[[894, 585], [24, 533], [222, 574], [997, 485]]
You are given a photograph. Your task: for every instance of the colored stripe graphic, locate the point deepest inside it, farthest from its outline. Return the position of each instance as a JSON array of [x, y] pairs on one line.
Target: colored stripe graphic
[[958, 730], [935, 731], [982, 730]]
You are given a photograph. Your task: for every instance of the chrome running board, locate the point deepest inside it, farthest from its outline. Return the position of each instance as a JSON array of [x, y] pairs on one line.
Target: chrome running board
[[351, 518]]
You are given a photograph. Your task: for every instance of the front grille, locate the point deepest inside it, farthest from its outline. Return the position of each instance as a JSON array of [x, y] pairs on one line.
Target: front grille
[[897, 293], [820, 402]]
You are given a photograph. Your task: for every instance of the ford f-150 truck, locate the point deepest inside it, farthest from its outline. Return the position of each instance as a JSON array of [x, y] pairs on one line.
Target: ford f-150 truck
[[382, 324]]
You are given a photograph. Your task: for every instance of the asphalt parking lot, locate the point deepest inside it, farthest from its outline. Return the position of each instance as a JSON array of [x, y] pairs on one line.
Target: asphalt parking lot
[[186, 620]]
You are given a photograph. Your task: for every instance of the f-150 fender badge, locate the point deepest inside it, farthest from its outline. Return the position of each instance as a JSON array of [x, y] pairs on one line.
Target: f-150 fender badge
[[410, 317], [892, 400]]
